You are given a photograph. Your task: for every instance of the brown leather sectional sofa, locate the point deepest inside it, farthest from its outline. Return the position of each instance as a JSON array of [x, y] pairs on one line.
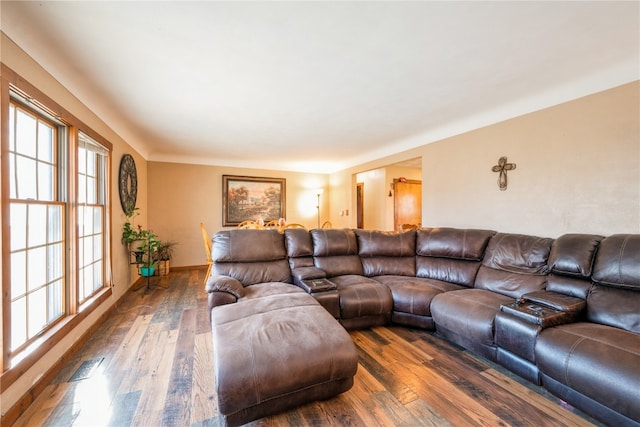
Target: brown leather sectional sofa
[[563, 313]]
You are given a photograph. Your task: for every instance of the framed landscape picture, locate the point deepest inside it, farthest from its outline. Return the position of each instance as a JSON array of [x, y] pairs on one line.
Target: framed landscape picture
[[255, 198]]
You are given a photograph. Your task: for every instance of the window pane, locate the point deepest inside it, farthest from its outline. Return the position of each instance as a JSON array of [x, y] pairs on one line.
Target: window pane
[[87, 248], [37, 317], [82, 160], [18, 322], [26, 134], [13, 184], [88, 220], [54, 301], [46, 182], [18, 220], [37, 225], [97, 247], [88, 282], [82, 189], [26, 182], [91, 163], [91, 190], [18, 274], [97, 276], [54, 262], [55, 224], [36, 268], [97, 220], [45, 142], [12, 128]]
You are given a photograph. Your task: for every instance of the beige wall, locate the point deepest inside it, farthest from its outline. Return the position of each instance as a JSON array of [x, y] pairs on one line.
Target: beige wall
[[181, 196], [578, 170]]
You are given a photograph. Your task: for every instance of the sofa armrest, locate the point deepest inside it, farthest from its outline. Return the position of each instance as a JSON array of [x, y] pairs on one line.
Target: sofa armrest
[[221, 283], [536, 314], [216, 299], [556, 301], [300, 274]]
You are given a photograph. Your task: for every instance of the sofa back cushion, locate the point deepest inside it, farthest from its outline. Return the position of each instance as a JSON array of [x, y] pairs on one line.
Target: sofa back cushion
[[299, 247], [614, 299], [450, 254], [574, 254], [333, 241], [618, 261], [336, 251], [387, 252], [571, 264], [251, 256], [514, 264], [617, 307]]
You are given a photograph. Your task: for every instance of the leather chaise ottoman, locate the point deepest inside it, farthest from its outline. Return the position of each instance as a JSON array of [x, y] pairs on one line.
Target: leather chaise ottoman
[[273, 353]]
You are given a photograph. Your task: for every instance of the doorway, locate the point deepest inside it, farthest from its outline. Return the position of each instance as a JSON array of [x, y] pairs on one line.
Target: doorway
[[407, 202]]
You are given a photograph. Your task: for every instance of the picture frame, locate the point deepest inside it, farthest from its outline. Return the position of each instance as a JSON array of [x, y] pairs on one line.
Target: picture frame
[[252, 198]]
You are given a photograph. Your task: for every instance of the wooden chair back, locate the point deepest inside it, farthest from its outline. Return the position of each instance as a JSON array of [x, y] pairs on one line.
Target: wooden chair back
[[207, 247]]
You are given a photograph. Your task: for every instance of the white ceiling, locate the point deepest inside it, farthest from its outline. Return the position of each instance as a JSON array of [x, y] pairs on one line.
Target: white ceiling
[[320, 86]]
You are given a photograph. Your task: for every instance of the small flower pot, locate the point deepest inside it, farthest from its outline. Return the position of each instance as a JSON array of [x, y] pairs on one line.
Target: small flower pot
[[147, 271]]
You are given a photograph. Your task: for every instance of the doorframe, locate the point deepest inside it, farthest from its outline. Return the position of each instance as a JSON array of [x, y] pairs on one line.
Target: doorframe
[[359, 204]]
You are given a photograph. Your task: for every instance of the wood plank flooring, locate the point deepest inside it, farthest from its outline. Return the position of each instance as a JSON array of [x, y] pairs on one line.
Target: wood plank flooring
[[152, 366]]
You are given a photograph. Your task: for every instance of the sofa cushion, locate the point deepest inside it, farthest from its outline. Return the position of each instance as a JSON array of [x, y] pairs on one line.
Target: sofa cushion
[[458, 271], [568, 285], [374, 243], [414, 294], [269, 289], [573, 254], [377, 266], [248, 245], [339, 265], [362, 296], [386, 252], [250, 256], [455, 243], [598, 361], [249, 273], [469, 313], [617, 261], [450, 254], [614, 307], [327, 242], [518, 253], [298, 242], [514, 264]]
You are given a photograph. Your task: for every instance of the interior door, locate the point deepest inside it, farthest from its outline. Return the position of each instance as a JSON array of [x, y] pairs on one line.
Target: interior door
[[407, 202]]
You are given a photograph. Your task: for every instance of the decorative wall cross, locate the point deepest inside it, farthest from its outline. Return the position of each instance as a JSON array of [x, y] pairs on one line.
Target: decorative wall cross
[[502, 167]]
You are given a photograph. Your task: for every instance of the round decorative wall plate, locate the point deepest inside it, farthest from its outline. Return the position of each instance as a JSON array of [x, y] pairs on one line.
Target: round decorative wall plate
[[128, 183]]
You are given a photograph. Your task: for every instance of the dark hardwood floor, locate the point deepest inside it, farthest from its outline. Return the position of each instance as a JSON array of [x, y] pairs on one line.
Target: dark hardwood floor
[[150, 364]]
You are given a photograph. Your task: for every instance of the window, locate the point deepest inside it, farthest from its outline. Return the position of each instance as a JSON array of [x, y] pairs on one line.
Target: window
[[37, 217], [57, 250], [92, 172]]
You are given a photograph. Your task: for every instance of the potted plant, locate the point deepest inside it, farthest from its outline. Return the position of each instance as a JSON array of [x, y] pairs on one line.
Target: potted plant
[[148, 246], [131, 234], [163, 255], [142, 243]]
